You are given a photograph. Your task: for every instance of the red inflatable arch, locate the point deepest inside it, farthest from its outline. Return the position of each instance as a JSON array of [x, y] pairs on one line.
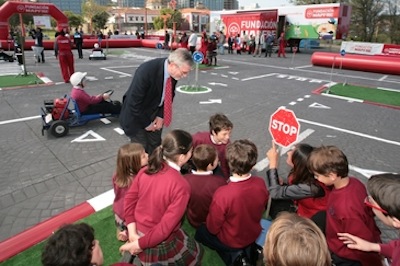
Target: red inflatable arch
[[10, 8]]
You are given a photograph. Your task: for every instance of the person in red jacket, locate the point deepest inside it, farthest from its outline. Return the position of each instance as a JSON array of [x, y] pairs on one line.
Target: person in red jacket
[[385, 203], [282, 45], [346, 210], [63, 46], [234, 219]]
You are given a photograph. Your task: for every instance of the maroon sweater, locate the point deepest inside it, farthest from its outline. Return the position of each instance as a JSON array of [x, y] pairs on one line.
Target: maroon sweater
[[236, 211], [203, 188], [157, 204], [205, 138], [347, 213], [392, 250]]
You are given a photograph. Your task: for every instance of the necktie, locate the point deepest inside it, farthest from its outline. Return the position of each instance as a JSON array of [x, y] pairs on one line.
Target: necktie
[[168, 102]]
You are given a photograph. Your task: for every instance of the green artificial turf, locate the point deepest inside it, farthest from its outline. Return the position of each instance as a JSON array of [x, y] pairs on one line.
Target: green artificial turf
[[105, 231], [376, 95], [19, 80]]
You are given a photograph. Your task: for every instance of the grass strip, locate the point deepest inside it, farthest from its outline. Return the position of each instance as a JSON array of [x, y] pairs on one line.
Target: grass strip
[[105, 231], [19, 80], [374, 95]]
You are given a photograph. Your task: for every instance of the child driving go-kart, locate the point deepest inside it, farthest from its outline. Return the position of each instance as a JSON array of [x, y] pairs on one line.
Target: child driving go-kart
[[91, 104]]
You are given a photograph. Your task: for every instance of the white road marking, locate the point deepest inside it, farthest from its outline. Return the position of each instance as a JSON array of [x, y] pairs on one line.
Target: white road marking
[[82, 138], [383, 78], [366, 172], [319, 106], [300, 99], [119, 130], [211, 101], [259, 77], [117, 72], [307, 96], [105, 121], [387, 89], [235, 78], [233, 73], [342, 97], [263, 164], [306, 66], [349, 132], [292, 103], [224, 76], [20, 119], [218, 84], [213, 73]]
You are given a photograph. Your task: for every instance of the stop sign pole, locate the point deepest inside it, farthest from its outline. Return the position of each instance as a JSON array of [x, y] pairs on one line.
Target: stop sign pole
[[284, 127]]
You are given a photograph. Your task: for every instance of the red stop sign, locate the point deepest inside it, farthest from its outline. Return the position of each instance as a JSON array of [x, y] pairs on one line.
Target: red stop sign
[[284, 127]]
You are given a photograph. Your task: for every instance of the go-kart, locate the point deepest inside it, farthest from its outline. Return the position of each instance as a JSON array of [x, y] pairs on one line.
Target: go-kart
[[58, 116]]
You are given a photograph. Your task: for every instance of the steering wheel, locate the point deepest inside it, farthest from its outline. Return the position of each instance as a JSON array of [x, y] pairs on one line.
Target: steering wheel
[[109, 92]]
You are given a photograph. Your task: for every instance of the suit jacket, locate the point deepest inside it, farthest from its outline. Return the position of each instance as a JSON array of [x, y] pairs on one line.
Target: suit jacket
[[140, 104]]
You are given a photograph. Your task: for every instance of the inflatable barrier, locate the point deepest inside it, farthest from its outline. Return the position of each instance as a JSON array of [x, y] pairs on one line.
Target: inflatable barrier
[[368, 63]]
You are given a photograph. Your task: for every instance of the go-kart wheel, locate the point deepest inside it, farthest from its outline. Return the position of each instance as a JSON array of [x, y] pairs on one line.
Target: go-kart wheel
[[59, 128]]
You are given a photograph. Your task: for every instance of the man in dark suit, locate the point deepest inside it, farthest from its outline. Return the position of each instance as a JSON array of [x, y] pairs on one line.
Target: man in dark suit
[[142, 113]]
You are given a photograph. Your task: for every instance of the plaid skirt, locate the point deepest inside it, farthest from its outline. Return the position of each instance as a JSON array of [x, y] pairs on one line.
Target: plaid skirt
[[179, 249]]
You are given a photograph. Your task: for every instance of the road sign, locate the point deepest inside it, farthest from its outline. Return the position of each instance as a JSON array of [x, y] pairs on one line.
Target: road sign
[[284, 127], [159, 45], [198, 57], [342, 52]]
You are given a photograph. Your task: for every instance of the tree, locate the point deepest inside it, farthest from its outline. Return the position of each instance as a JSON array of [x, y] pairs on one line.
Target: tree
[[392, 17], [100, 19], [174, 16], [365, 17], [74, 20], [90, 9]]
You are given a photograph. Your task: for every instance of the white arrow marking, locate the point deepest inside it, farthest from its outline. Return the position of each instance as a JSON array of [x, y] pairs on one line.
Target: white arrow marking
[[365, 172], [263, 164], [96, 137], [219, 84], [319, 106], [211, 101]]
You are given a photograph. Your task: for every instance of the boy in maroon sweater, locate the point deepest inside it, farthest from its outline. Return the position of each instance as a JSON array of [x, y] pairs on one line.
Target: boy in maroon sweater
[[203, 183], [385, 203], [346, 211], [218, 136], [233, 221]]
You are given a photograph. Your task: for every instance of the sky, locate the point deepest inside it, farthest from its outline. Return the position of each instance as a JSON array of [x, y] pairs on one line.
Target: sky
[[264, 3]]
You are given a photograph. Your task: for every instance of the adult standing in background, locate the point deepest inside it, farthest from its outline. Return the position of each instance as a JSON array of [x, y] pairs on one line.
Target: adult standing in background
[[269, 44], [221, 42], [166, 40], [63, 46], [282, 45], [147, 105], [259, 44], [39, 42], [192, 42], [78, 40]]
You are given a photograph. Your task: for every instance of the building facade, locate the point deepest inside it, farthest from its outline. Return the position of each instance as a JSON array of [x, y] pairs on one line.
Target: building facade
[[214, 4]]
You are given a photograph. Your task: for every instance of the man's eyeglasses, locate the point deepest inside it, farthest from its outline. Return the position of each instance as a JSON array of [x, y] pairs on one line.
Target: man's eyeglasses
[[368, 203]]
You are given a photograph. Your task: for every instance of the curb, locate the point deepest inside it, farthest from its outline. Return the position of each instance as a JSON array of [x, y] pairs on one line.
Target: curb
[[320, 90], [40, 75], [32, 236]]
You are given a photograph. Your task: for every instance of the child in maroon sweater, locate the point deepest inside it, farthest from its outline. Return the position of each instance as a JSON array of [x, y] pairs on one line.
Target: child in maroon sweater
[[233, 221], [218, 136], [203, 183], [385, 203], [130, 159], [346, 211]]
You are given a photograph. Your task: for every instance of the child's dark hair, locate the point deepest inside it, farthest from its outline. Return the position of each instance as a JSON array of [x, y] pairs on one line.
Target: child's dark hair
[[175, 143], [72, 244], [241, 156], [385, 190], [204, 155], [300, 172], [128, 163], [328, 159], [219, 122]]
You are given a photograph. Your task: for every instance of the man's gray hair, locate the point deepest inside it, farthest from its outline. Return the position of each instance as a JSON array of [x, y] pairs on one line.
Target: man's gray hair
[[181, 56]]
